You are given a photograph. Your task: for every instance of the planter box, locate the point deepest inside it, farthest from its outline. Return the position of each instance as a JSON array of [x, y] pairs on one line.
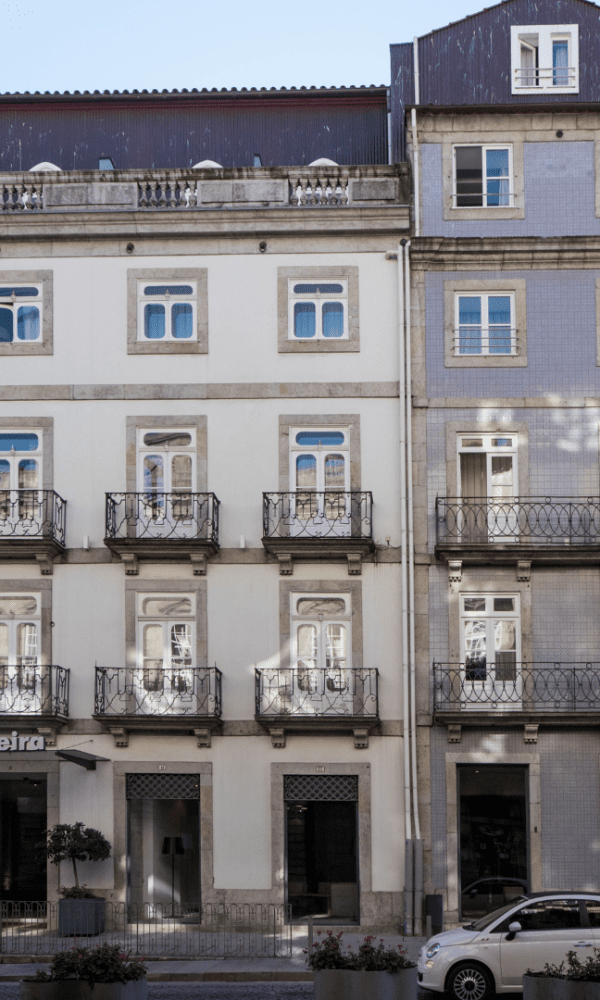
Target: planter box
[[340, 984], [542, 988], [80, 917], [75, 989]]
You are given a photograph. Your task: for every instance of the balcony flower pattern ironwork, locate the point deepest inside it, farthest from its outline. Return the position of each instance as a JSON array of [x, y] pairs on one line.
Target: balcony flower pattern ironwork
[[520, 687], [304, 692], [176, 516], [34, 689], [331, 514], [141, 691], [32, 514], [529, 520]]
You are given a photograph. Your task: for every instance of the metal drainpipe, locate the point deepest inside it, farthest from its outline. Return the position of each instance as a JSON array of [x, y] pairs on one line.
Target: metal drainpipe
[[415, 140], [389, 123]]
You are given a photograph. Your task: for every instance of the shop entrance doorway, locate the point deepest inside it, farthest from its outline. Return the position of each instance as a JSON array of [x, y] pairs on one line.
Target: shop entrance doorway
[[23, 865]]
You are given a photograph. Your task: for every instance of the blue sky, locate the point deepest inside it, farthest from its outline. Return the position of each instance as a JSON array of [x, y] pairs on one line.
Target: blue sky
[[147, 44]]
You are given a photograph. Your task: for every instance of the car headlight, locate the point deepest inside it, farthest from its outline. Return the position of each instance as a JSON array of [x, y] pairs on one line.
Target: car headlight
[[433, 950]]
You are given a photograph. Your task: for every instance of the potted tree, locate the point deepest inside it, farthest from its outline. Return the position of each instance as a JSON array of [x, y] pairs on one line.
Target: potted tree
[[370, 973], [103, 973], [79, 911], [570, 980]]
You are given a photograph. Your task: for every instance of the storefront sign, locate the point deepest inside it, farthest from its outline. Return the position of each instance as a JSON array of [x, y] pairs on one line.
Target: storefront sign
[[15, 742]]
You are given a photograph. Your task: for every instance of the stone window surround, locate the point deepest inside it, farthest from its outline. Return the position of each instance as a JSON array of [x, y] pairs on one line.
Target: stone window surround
[[204, 770], [452, 288], [456, 428], [46, 344], [171, 274], [532, 762], [134, 586], [351, 587], [278, 815], [46, 425], [168, 422], [15, 765], [497, 583], [287, 345], [345, 420], [44, 588], [517, 211]]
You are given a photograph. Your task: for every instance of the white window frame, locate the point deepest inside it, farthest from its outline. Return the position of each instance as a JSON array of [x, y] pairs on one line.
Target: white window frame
[[545, 34], [489, 615], [167, 300], [489, 450], [321, 622], [484, 327], [166, 621], [13, 302], [484, 147], [149, 449], [320, 452], [318, 299], [22, 690]]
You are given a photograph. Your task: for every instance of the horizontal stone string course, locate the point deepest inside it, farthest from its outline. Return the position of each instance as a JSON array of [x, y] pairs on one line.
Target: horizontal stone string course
[[202, 390]]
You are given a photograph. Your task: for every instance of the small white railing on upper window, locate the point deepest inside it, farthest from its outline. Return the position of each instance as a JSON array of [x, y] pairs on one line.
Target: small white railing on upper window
[[485, 344], [536, 76]]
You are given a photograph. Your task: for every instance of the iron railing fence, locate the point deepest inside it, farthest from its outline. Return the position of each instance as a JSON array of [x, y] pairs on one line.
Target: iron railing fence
[[520, 687], [32, 514], [308, 514], [337, 691], [154, 930], [150, 516], [529, 521], [158, 691], [34, 689]]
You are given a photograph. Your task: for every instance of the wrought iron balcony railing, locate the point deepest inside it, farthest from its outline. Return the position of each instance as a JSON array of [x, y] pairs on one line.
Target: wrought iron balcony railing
[[151, 516], [334, 514], [32, 514], [518, 687], [34, 689], [158, 691], [528, 521], [339, 691]]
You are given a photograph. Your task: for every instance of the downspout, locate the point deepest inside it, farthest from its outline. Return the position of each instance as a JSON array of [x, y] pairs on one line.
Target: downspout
[[389, 124], [415, 140]]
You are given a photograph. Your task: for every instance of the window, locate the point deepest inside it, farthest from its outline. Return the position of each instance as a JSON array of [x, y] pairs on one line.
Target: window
[[485, 324], [20, 627], [549, 915], [166, 474], [25, 312], [165, 644], [318, 309], [483, 177], [20, 477], [490, 650], [167, 311], [320, 478], [321, 652], [545, 57]]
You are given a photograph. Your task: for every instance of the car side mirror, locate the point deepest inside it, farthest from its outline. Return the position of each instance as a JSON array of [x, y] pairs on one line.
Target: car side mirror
[[513, 930]]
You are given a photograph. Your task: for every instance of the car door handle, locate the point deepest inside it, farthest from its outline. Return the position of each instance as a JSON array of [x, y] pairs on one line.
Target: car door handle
[[584, 944]]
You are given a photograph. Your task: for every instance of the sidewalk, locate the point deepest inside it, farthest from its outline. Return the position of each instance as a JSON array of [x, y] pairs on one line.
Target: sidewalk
[[227, 970]]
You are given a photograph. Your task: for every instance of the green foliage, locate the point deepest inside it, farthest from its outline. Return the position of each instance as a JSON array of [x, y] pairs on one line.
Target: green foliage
[[75, 842], [76, 892], [105, 964], [588, 971], [327, 953]]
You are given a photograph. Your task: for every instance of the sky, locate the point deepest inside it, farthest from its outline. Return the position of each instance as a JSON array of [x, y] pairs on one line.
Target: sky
[[71, 45]]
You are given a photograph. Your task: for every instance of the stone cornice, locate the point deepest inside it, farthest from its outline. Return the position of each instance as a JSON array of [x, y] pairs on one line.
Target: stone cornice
[[506, 253]]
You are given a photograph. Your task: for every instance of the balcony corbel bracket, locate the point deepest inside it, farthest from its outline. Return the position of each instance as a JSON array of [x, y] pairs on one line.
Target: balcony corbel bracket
[[198, 561], [454, 733], [454, 571], [530, 734], [45, 563], [49, 734], [361, 739], [524, 570], [277, 737], [203, 737], [286, 565], [130, 561], [354, 563], [120, 735]]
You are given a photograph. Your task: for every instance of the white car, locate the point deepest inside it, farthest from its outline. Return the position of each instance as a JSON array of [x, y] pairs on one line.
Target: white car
[[492, 954]]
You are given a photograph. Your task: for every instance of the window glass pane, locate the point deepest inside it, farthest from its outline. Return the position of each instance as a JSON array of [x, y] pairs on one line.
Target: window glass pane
[[307, 646], [336, 647], [333, 319], [27, 641], [181, 472], [474, 603], [181, 644], [25, 290], [153, 645], [472, 443], [331, 289], [469, 180], [3, 645], [28, 323], [335, 478], [4, 474], [469, 309], [170, 607], [469, 324], [173, 439], [499, 309], [475, 649], [502, 476], [181, 320], [168, 290], [330, 606], [550, 915], [28, 474], [528, 76], [20, 442], [497, 188], [499, 313], [504, 604], [306, 472], [154, 477], [593, 908], [304, 319], [154, 322], [18, 605], [560, 62], [312, 439], [6, 326], [502, 442]]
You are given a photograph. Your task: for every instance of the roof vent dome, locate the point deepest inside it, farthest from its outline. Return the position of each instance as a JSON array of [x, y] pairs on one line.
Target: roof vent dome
[[323, 162], [207, 165], [45, 167]]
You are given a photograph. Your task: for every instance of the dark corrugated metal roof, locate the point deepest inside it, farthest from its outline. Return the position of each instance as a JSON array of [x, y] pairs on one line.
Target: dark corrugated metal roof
[[503, 3], [194, 92]]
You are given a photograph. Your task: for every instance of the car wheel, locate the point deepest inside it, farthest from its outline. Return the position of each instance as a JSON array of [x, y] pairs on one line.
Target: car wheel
[[470, 981]]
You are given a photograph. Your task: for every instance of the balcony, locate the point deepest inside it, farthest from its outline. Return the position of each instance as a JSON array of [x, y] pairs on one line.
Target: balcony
[[157, 699], [480, 692], [32, 694], [32, 526], [331, 700], [534, 529], [162, 526], [318, 526]]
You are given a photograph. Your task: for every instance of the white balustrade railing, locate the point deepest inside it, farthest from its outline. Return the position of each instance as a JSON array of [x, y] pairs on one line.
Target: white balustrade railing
[[322, 189], [165, 191], [21, 196]]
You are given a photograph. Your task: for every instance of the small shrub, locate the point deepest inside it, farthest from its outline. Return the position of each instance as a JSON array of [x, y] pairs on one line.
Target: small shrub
[[104, 964], [327, 953], [574, 970]]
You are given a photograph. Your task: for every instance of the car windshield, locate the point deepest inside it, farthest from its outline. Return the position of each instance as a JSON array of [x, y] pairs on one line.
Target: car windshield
[[480, 925]]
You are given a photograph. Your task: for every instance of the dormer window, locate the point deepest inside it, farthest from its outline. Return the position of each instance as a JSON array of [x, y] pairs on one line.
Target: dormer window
[[545, 58]]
